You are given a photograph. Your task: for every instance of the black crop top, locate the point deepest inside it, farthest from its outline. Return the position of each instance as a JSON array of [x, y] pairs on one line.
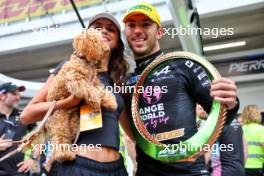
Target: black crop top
[[108, 135]]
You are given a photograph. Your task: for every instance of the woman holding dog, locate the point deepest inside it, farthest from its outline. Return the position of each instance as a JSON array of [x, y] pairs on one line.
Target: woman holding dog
[[97, 153]]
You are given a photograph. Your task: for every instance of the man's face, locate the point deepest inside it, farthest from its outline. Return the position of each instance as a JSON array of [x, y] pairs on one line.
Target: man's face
[[142, 35], [11, 99]]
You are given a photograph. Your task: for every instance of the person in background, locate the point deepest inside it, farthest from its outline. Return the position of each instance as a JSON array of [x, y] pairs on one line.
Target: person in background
[[225, 162], [201, 116], [254, 135], [12, 129]]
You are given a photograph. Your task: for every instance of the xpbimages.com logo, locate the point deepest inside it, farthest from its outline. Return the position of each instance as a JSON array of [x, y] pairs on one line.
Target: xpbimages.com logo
[[182, 149], [50, 148], [124, 89], [173, 32], [190, 31], [57, 30]]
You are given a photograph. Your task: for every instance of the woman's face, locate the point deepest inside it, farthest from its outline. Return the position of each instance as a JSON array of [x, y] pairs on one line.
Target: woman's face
[[109, 32]]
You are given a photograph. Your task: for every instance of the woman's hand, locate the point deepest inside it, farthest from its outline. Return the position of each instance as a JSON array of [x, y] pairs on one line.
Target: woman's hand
[[67, 103]]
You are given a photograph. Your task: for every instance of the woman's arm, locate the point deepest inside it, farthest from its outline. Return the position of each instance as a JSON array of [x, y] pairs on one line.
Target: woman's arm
[[38, 106], [124, 121]]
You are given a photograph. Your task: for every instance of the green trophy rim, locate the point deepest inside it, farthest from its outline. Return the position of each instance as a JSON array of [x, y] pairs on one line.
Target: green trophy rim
[[193, 147]]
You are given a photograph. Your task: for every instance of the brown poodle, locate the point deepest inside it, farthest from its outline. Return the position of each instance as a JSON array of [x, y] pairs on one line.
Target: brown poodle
[[77, 77]]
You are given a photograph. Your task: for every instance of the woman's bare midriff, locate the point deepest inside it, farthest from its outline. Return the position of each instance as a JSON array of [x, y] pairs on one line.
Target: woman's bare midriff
[[101, 154]]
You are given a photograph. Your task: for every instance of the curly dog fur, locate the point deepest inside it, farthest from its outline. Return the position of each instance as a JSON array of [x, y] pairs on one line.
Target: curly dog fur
[[77, 77]]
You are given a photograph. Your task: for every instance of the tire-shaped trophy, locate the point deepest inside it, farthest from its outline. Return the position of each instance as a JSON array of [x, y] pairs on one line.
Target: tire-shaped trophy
[[199, 142]]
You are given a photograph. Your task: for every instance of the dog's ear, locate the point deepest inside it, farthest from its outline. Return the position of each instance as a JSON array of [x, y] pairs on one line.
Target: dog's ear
[[78, 40]]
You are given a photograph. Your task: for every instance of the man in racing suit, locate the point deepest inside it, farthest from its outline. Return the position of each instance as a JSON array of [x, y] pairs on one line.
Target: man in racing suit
[[182, 83]]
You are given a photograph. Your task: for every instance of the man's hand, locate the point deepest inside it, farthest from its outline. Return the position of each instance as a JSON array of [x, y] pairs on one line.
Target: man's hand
[[5, 143], [25, 166], [225, 91]]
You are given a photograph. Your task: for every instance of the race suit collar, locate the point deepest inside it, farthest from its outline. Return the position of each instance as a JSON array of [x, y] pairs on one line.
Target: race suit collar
[[142, 62]]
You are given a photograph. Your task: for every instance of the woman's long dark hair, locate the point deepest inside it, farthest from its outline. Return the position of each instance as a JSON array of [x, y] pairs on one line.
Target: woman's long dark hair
[[118, 66]]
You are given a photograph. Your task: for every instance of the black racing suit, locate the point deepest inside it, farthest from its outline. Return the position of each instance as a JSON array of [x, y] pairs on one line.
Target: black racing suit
[[186, 84], [13, 129]]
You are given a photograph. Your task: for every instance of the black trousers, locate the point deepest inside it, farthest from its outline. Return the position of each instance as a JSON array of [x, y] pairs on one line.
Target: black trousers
[[152, 171], [6, 173], [82, 166], [147, 166], [254, 172]]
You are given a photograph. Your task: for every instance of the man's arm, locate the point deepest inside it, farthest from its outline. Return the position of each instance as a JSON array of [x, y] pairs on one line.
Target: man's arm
[[262, 139], [262, 144], [223, 90]]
